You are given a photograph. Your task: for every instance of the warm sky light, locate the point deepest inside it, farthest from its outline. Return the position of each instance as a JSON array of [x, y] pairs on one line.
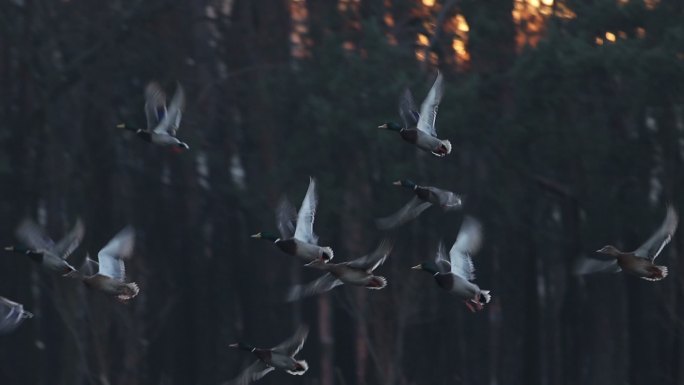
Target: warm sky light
[[429, 3]]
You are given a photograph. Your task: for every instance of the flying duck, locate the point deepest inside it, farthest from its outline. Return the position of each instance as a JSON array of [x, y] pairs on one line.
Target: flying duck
[[12, 314]]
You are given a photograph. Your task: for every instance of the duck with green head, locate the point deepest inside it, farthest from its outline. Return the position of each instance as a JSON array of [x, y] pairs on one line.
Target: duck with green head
[[419, 128], [358, 272], [299, 240], [111, 275], [281, 357], [44, 251], [425, 196], [162, 123], [639, 262], [12, 314], [456, 274]]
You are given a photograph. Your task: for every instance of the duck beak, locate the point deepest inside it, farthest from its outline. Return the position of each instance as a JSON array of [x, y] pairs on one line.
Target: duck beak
[[9, 248], [121, 125], [417, 267], [383, 126], [257, 235], [233, 345], [397, 183]]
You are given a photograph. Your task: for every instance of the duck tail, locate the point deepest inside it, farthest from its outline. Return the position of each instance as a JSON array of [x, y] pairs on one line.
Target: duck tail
[[327, 253], [131, 290], [656, 273], [376, 283], [447, 145], [486, 295], [301, 368]]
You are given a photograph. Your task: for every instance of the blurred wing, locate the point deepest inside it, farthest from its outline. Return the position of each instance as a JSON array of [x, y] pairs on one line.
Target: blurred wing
[[374, 259], [325, 283], [171, 121], [112, 255], [12, 314], [155, 105], [252, 373], [652, 248], [407, 110], [441, 259], [71, 241], [468, 242], [428, 110], [286, 215], [294, 344], [305, 218], [407, 213], [30, 233], [584, 265]]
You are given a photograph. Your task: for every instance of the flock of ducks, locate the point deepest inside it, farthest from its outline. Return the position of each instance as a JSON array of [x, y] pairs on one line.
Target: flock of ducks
[[453, 273]]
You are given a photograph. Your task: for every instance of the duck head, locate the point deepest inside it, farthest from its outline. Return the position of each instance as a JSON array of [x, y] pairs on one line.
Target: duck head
[[243, 346], [428, 266], [391, 126], [405, 183], [609, 250], [19, 249], [266, 236], [127, 127]]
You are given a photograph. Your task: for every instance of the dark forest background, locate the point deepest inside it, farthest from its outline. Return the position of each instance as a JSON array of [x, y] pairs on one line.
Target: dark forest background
[[567, 119]]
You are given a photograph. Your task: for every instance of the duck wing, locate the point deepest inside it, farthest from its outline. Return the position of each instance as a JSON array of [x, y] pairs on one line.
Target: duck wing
[[71, 241], [324, 283], [34, 236], [286, 216], [155, 105], [171, 120], [371, 261], [294, 344], [407, 109], [112, 255], [428, 110], [652, 248], [252, 373], [468, 242], [410, 211], [307, 212], [12, 314], [441, 259]]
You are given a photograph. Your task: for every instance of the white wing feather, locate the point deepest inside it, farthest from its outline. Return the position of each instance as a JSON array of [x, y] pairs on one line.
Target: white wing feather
[[428, 110], [112, 255], [307, 212], [468, 242]]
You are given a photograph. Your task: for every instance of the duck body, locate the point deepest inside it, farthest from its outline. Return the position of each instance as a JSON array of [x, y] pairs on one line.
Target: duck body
[[640, 262], [357, 272], [281, 357], [355, 276], [121, 290], [44, 251], [426, 142], [304, 250], [442, 198]]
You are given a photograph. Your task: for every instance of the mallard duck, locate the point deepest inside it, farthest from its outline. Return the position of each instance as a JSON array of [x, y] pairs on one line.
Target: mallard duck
[[12, 314], [456, 274], [300, 241], [639, 262], [358, 272], [280, 357], [162, 124], [419, 128], [426, 196], [43, 250], [111, 275]]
